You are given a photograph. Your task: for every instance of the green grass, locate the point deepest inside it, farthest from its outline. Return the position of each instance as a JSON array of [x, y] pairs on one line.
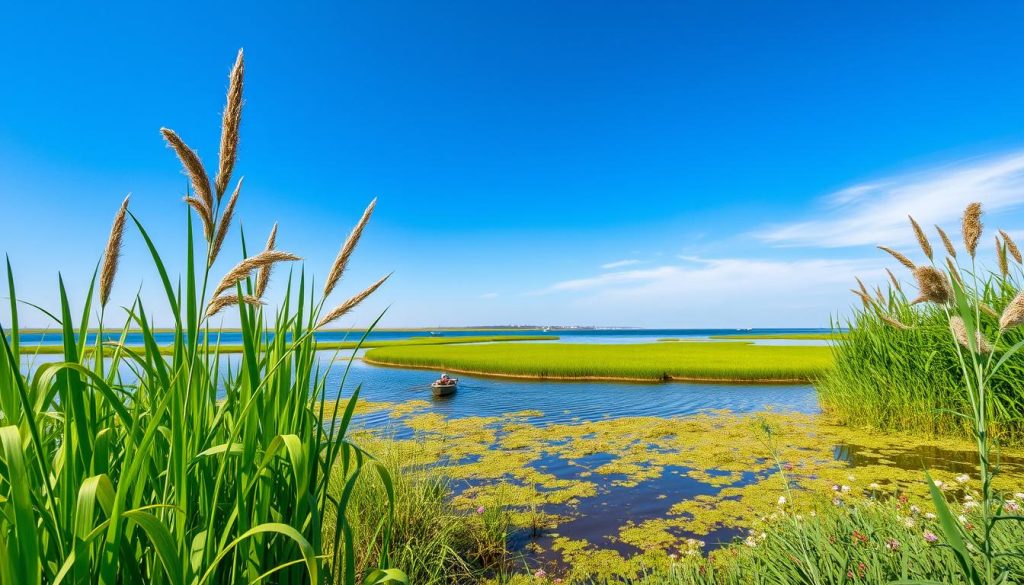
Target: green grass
[[432, 541], [641, 362], [797, 336], [912, 378], [186, 470], [327, 345]]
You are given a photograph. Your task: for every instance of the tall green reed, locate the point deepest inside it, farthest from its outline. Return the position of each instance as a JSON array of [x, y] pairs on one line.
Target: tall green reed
[[134, 466], [896, 367], [980, 340]]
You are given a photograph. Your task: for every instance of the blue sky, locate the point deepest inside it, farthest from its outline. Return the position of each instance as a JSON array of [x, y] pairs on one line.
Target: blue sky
[[632, 163]]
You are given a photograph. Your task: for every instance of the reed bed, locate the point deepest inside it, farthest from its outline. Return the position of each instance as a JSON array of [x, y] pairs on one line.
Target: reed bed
[[649, 362], [188, 472], [896, 368]]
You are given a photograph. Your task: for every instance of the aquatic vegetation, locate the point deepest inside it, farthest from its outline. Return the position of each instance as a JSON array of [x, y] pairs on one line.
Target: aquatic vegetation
[[433, 542], [504, 461], [183, 471], [719, 361]]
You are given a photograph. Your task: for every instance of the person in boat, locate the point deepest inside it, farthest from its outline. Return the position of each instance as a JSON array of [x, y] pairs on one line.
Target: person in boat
[[445, 379]]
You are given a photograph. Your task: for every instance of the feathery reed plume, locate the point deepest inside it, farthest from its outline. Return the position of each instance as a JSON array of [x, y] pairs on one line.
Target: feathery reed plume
[[1012, 247], [1001, 256], [895, 281], [988, 310], [218, 303], [864, 298], [922, 239], [972, 227], [112, 253], [950, 249], [263, 276], [225, 224], [902, 259], [229, 127], [244, 268], [193, 166], [341, 261], [881, 297], [205, 215], [1013, 315], [955, 271], [933, 286], [350, 304], [895, 323], [863, 288], [959, 329]]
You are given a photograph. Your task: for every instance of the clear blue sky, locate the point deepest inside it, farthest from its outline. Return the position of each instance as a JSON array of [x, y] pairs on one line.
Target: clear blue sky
[[627, 163]]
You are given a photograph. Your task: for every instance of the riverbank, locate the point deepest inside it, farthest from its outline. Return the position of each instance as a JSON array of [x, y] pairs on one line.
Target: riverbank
[[326, 345], [640, 362]]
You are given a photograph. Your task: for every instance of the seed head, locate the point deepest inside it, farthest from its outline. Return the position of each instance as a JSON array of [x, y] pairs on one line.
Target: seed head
[[902, 259], [1001, 256], [263, 276], [933, 285], [112, 254], [225, 224], [1013, 315], [959, 329], [193, 166], [229, 127], [337, 312], [1011, 246], [341, 261], [922, 239], [244, 268], [946, 242], [972, 227], [218, 303]]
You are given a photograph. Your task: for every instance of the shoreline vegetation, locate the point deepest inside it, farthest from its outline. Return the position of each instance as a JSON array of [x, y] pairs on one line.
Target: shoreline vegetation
[[320, 346], [639, 362]]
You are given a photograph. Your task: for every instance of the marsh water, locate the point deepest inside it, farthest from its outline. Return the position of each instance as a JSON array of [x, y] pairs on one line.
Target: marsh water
[[618, 500]]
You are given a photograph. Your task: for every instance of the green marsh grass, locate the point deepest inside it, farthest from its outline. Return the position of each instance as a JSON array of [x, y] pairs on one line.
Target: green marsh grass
[[719, 361], [896, 368], [172, 468]]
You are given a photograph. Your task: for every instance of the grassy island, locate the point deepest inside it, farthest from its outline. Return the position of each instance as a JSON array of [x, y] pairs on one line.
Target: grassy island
[[707, 361]]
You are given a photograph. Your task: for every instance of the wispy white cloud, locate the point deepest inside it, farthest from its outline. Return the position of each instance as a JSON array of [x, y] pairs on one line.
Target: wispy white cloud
[[721, 275], [490, 295], [620, 264], [720, 291], [876, 212]]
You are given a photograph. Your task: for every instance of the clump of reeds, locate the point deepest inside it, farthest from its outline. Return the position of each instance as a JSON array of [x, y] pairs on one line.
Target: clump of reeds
[[948, 360], [157, 464]]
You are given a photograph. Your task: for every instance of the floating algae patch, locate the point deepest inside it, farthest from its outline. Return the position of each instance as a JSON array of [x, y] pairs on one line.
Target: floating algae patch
[[619, 493]]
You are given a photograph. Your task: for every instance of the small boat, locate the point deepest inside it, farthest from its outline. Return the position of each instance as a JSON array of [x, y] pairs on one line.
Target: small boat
[[444, 388]]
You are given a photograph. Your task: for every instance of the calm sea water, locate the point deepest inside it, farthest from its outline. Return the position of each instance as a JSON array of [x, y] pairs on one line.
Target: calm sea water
[[568, 335]]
